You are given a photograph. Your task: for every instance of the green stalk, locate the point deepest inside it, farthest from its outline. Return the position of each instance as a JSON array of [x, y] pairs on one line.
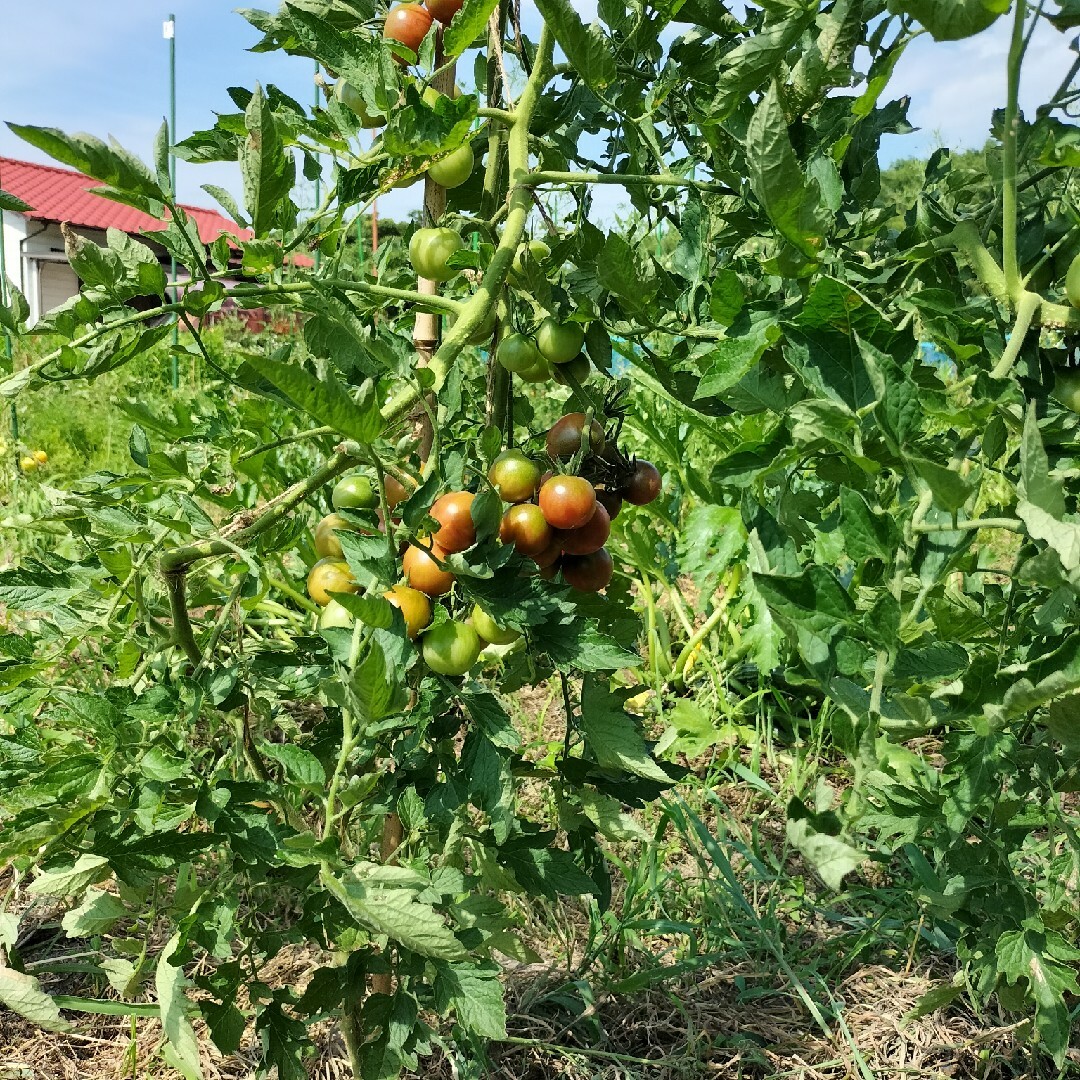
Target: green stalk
[[1009, 153]]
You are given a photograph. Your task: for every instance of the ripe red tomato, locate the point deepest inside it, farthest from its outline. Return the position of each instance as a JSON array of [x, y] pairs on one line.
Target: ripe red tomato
[[453, 512], [550, 555], [567, 502], [515, 477], [611, 501], [423, 573], [327, 576], [588, 573], [564, 438], [644, 485], [413, 604], [526, 527], [451, 648], [590, 537], [429, 250], [444, 10], [453, 170], [407, 24]]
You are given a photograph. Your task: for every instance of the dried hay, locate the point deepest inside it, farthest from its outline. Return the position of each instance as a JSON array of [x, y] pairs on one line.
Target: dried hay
[[728, 1022]]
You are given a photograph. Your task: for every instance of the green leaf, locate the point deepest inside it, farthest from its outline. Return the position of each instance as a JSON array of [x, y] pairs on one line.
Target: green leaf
[[397, 915], [612, 735], [267, 169], [609, 817], [374, 684], [301, 766], [23, 994], [1041, 502], [374, 611], [1048, 963], [735, 356], [753, 61], [12, 203], [87, 870], [951, 491], [868, 534], [586, 49], [112, 165], [467, 25], [98, 913], [830, 855], [325, 399], [950, 20], [476, 996], [727, 297], [792, 202], [169, 982]]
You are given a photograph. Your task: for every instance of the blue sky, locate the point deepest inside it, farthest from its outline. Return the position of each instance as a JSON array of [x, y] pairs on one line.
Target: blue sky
[[102, 68]]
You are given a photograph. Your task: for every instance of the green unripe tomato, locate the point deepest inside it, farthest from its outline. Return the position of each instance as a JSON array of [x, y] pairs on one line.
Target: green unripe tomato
[[429, 250], [354, 493], [432, 96], [579, 368], [451, 648], [352, 99], [1072, 282], [517, 353], [539, 252], [335, 614], [538, 373], [453, 170], [1067, 388], [490, 630], [559, 342], [514, 476]]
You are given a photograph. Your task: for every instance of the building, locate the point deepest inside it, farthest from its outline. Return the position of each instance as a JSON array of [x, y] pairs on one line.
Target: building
[[34, 248]]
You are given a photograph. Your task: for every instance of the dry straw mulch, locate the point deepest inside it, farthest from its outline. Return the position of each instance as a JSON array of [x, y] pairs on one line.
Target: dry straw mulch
[[708, 1027]]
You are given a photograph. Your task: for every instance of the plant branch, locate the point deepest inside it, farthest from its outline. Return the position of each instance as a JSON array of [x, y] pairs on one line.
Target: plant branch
[[1009, 154], [546, 178], [1025, 312]]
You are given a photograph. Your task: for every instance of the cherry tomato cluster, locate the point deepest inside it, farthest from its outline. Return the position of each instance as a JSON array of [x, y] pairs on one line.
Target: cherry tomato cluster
[[560, 521]]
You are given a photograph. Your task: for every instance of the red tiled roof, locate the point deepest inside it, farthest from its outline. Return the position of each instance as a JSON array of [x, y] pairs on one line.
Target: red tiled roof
[[63, 195]]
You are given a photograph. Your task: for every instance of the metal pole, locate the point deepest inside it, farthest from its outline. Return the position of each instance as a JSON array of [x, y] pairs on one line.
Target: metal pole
[[170, 36], [318, 178]]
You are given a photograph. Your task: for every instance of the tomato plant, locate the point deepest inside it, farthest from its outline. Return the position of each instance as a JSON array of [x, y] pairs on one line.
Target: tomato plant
[[644, 484], [588, 573], [421, 568], [490, 630], [517, 353], [414, 606], [867, 543], [330, 575]]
